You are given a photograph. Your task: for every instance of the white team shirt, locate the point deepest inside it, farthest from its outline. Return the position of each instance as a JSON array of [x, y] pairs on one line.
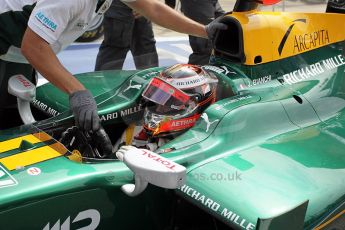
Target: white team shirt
[[59, 22]]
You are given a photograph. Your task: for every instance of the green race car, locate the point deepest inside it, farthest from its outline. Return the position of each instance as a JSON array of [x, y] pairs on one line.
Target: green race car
[[268, 154]]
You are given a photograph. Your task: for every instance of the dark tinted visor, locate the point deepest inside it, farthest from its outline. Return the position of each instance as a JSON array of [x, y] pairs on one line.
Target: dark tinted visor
[[163, 93]]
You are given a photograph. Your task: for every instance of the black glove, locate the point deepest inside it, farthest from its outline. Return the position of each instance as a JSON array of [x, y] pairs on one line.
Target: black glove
[[84, 109], [213, 27]]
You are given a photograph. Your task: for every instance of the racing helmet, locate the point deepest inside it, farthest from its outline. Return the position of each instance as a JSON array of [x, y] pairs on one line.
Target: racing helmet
[[176, 98]]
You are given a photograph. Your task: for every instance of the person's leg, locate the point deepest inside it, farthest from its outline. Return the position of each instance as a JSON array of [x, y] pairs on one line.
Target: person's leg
[[336, 6], [202, 11], [118, 25], [143, 46], [218, 10], [9, 116]]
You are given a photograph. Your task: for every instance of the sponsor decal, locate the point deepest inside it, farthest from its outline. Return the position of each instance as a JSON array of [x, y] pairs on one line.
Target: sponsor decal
[[286, 36], [6, 179], [34, 171], [82, 25], [92, 216], [24, 82], [188, 82], [307, 41], [109, 116], [183, 122], [216, 207], [47, 22], [132, 86], [313, 69], [208, 123], [165, 162], [45, 108], [122, 113], [219, 107], [219, 70], [208, 202], [310, 40], [178, 107], [151, 74], [179, 124], [260, 81], [130, 111]]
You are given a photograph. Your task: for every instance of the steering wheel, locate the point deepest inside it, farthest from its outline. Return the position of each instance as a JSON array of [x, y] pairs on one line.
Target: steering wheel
[[95, 145]]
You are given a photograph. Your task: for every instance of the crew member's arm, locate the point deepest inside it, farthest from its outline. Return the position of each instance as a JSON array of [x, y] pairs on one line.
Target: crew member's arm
[[163, 15], [40, 55]]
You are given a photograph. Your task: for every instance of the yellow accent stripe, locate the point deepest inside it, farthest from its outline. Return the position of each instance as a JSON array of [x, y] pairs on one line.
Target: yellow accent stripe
[[15, 143], [60, 148], [42, 136], [129, 134], [330, 221], [29, 157]]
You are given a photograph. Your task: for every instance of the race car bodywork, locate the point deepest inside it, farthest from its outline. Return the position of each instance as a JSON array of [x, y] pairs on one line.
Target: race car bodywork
[[269, 154]]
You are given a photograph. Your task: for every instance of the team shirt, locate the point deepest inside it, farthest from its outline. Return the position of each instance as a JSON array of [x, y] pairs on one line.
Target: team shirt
[[59, 22]]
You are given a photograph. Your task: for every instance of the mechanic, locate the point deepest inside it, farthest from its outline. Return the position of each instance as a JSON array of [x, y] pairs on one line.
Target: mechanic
[[202, 11], [125, 30], [38, 29], [173, 101]]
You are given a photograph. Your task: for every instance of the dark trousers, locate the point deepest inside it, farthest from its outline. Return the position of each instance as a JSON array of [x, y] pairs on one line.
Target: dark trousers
[[202, 11], [336, 6], [9, 116], [123, 33], [171, 3]]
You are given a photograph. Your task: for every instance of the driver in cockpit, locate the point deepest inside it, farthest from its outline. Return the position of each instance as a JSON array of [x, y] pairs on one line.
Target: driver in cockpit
[[174, 101]]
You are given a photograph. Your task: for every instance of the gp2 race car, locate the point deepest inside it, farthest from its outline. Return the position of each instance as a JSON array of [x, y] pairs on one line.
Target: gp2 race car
[[269, 154]]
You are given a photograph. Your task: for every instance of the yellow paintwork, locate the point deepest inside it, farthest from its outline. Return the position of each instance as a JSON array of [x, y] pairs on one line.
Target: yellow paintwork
[[29, 157], [15, 143], [263, 33], [129, 134], [76, 156], [324, 225]]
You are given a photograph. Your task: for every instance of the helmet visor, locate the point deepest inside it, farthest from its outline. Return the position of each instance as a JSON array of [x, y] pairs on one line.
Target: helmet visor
[[163, 93]]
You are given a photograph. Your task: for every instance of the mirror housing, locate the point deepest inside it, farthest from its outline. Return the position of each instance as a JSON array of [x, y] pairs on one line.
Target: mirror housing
[[149, 167], [25, 91]]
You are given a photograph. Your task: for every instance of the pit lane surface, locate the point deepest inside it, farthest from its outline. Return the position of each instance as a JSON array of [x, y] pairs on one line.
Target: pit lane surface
[[81, 57]]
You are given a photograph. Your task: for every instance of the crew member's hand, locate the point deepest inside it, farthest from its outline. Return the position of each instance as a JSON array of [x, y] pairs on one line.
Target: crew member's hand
[[84, 109], [213, 27]]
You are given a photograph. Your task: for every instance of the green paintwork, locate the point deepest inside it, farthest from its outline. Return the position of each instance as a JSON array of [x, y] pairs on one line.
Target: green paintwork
[[270, 156]]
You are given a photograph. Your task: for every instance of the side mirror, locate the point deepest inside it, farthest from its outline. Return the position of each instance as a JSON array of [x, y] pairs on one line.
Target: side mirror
[[25, 91], [149, 167]]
